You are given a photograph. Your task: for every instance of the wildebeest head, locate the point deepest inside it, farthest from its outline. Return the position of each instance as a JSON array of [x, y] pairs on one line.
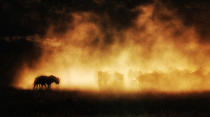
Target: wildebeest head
[[56, 79]]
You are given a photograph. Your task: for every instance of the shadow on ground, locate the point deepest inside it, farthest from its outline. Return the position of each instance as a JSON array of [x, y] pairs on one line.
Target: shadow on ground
[[27, 103]]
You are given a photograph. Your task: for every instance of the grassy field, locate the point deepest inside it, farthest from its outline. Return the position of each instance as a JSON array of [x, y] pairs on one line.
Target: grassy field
[[27, 103]]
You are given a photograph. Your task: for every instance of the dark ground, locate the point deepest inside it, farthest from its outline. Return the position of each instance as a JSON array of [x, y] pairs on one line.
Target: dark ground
[[27, 103]]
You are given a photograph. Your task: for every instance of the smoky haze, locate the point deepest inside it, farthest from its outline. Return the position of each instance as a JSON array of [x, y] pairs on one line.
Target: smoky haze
[[27, 23]]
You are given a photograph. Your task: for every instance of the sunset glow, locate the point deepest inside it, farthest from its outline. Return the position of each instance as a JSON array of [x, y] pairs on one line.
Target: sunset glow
[[151, 54]]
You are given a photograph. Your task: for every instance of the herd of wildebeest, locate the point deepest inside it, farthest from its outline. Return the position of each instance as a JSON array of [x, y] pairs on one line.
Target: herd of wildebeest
[[45, 81], [105, 81]]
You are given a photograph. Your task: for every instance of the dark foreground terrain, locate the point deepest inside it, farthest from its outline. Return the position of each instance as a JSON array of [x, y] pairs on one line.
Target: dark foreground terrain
[[27, 103]]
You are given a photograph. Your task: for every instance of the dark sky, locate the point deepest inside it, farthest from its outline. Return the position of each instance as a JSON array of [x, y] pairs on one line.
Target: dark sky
[[21, 18]]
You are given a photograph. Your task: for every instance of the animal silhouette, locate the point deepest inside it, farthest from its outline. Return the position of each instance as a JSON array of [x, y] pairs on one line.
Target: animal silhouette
[[45, 81]]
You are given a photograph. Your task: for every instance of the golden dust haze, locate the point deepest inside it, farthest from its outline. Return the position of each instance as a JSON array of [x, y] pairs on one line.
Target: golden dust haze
[[151, 54]]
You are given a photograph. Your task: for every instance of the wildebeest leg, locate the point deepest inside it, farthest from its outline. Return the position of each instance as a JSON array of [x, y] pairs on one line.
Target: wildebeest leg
[[45, 85], [49, 85], [34, 87], [37, 86]]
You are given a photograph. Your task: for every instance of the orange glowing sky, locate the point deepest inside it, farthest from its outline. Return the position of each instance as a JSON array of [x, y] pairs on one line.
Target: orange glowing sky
[[149, 55]]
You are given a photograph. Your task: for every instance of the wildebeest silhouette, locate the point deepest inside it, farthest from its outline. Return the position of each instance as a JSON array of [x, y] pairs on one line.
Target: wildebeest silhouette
[[45, 81]]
